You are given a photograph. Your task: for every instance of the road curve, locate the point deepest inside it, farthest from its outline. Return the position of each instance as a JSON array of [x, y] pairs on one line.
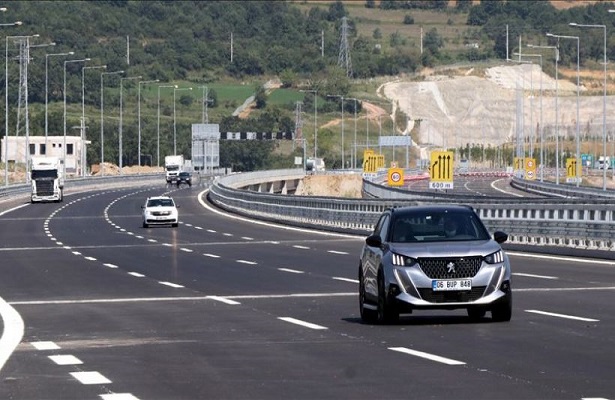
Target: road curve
[[222, 307]]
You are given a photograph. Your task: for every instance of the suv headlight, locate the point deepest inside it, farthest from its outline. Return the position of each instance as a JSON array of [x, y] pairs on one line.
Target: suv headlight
[[402, 261], [495, 258]]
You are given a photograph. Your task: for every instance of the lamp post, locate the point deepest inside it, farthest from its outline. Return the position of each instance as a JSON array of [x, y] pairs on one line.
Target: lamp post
[[120, 150], [315, 91], [578, 155], [541, 124], [341, 97], [175, 120], [556, 109], [70, 53], [102, 122], [603, 98], [83, 136], [64, 144], [139, 117], [158, 124], [6, 119]]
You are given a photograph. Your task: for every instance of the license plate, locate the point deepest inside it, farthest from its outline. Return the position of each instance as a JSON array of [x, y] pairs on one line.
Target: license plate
[[451, 284]]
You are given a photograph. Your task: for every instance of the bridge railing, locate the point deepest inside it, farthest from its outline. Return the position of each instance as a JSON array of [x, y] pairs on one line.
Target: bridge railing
[[581, 224]]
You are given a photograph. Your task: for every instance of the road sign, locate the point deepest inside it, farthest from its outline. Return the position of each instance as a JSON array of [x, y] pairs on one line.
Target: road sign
[[573, 169], [372, 161], [395, 176], [441, 170], [530, 168]]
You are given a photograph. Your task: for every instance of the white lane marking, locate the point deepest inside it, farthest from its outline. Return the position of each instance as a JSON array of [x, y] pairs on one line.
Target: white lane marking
[[427, 356], [227, 234], [246, 262], [90, 378], [562, 316], [139, 237], [118, 396], [224, 300], [292, 271], [65, 360], [337, 252], [186, 250], [110, 265], [198, 227], [12, 333], [577, 289], [211, 255], [504, 191], [337, 278], [76, 253], [302, 323], [152, 240], [45, 346], [535, 276], [211, 231], [138, 275], [90, 258], [247, 238], [285, 227], [296, 246], [167, 244], [560, 258], [173, 285]]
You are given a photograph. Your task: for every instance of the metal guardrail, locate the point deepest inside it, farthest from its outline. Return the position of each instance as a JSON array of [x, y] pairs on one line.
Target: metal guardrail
[[568, 224]]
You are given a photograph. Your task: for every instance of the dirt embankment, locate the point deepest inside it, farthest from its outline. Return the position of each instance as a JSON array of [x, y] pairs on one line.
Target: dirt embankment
[[346, 186]]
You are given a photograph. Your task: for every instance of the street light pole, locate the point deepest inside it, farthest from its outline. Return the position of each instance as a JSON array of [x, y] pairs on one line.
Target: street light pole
[[70, 53], [341, 97], [578, 155], [158, 124], [139, 117], [175, 120], [121, 113], [102, 122], [64, 144], [603, 98], [83, 136], [556, 108], [541, 123]]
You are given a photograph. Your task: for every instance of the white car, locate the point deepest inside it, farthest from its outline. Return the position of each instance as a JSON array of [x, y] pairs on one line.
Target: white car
[[160, 210]]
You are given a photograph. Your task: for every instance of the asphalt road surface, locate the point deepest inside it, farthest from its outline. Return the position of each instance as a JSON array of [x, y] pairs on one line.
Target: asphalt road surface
[[224, 308]]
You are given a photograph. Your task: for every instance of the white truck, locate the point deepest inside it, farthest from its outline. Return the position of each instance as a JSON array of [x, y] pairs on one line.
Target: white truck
[[173, 165], [46, 179], [315, 165]]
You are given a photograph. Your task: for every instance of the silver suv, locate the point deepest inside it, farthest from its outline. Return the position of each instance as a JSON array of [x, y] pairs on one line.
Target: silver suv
[[433, 257]]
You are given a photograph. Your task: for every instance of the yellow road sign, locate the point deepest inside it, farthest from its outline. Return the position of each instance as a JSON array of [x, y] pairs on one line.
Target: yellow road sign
[[395, 177], [441, 170]]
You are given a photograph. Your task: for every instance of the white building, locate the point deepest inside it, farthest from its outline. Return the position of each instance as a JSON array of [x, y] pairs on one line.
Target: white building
[[52, 146]]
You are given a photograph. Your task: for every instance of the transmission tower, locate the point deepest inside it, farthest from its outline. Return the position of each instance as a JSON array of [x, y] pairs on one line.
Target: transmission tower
[[22, 106], [344, 55], [298, 136]]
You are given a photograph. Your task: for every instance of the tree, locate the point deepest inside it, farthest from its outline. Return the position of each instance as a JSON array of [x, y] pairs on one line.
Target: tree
[[433, 41]]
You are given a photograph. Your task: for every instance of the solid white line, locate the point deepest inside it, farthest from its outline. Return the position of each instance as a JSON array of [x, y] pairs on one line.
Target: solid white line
[[560, 258], [427, 356], [65, 360], [293, 271], [302, 323], [337, 278], [173, 285], [535, 276], [90, 377], [12, 333], [577, 289], [224, 300], [562, 316]]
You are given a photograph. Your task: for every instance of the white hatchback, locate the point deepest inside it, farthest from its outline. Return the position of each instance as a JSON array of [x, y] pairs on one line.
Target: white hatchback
[[160, 210]]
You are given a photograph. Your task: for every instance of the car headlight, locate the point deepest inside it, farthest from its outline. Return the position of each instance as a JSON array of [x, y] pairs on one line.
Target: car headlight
[[402, 261], [495, 258]]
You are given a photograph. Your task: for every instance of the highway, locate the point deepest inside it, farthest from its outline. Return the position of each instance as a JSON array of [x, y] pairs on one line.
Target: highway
[[225, 308]]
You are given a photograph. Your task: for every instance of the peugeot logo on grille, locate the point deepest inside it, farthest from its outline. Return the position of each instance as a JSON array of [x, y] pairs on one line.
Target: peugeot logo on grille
[[451, 267]]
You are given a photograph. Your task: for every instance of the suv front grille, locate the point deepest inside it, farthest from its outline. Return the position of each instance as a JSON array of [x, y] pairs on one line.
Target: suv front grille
[[450, 268]]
